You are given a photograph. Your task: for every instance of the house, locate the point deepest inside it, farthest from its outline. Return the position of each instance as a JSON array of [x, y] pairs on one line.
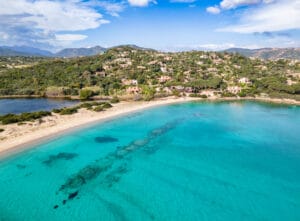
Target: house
[[100, 73], [188, 90], [234, 89], [128, 82], [178, 88], [207, 93], [212, 70], [133, 90], [244, 80], [164, 78]]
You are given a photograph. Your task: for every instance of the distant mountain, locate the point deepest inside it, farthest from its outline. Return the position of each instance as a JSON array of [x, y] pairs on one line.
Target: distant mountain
[[23, 51], [10, 52], [78, 52], [35, 52], [268, 53]]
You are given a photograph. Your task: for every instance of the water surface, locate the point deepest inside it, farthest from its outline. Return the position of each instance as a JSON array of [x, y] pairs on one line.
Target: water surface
[[20, 105], [194, 161]]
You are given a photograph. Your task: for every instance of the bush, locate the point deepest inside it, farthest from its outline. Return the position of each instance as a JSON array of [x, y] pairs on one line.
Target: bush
[[98, 108], [68, 111], [114, 100], [106, 105], [56, 110], [86, 105], [17, 118], [85, 94], [194, 95]]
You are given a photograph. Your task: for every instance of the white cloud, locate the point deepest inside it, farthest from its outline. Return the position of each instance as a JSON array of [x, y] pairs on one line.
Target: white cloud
[[53, 15], [229, 4], [232, 4], [39, 21], [4, 36], [139, 3], [278, 16], [112, 8], [216, 47], [213, 10], [182, 1], [70, 37]]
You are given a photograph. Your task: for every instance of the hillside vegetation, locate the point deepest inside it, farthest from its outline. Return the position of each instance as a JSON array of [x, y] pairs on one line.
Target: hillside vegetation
[[148, 73]]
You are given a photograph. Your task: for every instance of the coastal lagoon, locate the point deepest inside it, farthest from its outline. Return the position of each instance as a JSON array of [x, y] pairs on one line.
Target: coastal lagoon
[[191, 161], [21, 105]]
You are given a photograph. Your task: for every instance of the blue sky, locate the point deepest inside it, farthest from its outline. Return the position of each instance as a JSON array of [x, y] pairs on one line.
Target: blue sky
[[165, 25]]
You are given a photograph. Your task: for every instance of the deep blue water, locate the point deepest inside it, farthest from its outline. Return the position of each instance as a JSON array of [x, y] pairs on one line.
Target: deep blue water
[[20, 105], [194, 161]]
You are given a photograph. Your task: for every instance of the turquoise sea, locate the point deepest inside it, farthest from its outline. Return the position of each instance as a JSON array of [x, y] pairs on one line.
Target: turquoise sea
[[193, 161]]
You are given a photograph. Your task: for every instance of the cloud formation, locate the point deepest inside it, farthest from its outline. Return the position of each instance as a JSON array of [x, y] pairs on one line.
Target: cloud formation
[[140, 3], [213, 10], [182, 1], [40, 21], [232, 4], [279, 16]]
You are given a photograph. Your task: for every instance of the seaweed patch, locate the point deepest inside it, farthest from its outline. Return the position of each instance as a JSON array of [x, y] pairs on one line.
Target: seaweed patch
[[106, 139], [21, 166], [61, 156]]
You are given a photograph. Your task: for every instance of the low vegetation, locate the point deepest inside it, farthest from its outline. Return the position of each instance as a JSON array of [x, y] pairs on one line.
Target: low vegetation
[[18, 118]]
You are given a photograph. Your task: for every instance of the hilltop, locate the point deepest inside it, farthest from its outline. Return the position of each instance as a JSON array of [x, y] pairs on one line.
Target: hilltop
[[127, 71]]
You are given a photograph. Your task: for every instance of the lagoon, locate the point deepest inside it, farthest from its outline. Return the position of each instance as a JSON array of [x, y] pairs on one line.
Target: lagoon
[[21, 105], [192, 161]]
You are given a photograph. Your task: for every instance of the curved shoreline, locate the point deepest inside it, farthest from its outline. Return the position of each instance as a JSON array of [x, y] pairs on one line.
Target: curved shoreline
[[30, 136], [19, 138]]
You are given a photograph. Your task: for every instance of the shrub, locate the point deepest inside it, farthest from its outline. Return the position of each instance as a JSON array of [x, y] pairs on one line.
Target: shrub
[[114, 100], [56, 110], [106, 105], [98, 108], [68, 111], [86, 105], [17, 118], [85, 94]]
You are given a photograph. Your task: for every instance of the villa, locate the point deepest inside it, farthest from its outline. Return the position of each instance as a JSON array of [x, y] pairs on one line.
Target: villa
[[133, 90], [234, 89]]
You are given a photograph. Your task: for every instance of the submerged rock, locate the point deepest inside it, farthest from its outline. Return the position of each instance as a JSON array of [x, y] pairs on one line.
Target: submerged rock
[[61, 156], [72, 195], [106, 139]]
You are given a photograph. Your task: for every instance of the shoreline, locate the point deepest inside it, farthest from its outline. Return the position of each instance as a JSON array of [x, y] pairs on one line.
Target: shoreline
[[31, 135], [21, 137]]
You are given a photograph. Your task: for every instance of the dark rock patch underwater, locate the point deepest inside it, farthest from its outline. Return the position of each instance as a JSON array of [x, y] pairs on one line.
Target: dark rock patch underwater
[[111, 167], [61, 156], [106, 139]]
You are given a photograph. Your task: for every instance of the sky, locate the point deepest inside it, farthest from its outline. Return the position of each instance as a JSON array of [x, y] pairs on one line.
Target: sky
[[168, 25]]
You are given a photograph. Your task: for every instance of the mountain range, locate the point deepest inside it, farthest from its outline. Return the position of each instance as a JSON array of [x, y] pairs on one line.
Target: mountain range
[[268, 53], [263, 53], [35, 52]]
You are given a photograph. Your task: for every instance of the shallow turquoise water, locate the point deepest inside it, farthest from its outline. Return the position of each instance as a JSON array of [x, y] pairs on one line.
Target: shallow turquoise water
[[195, 161]]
